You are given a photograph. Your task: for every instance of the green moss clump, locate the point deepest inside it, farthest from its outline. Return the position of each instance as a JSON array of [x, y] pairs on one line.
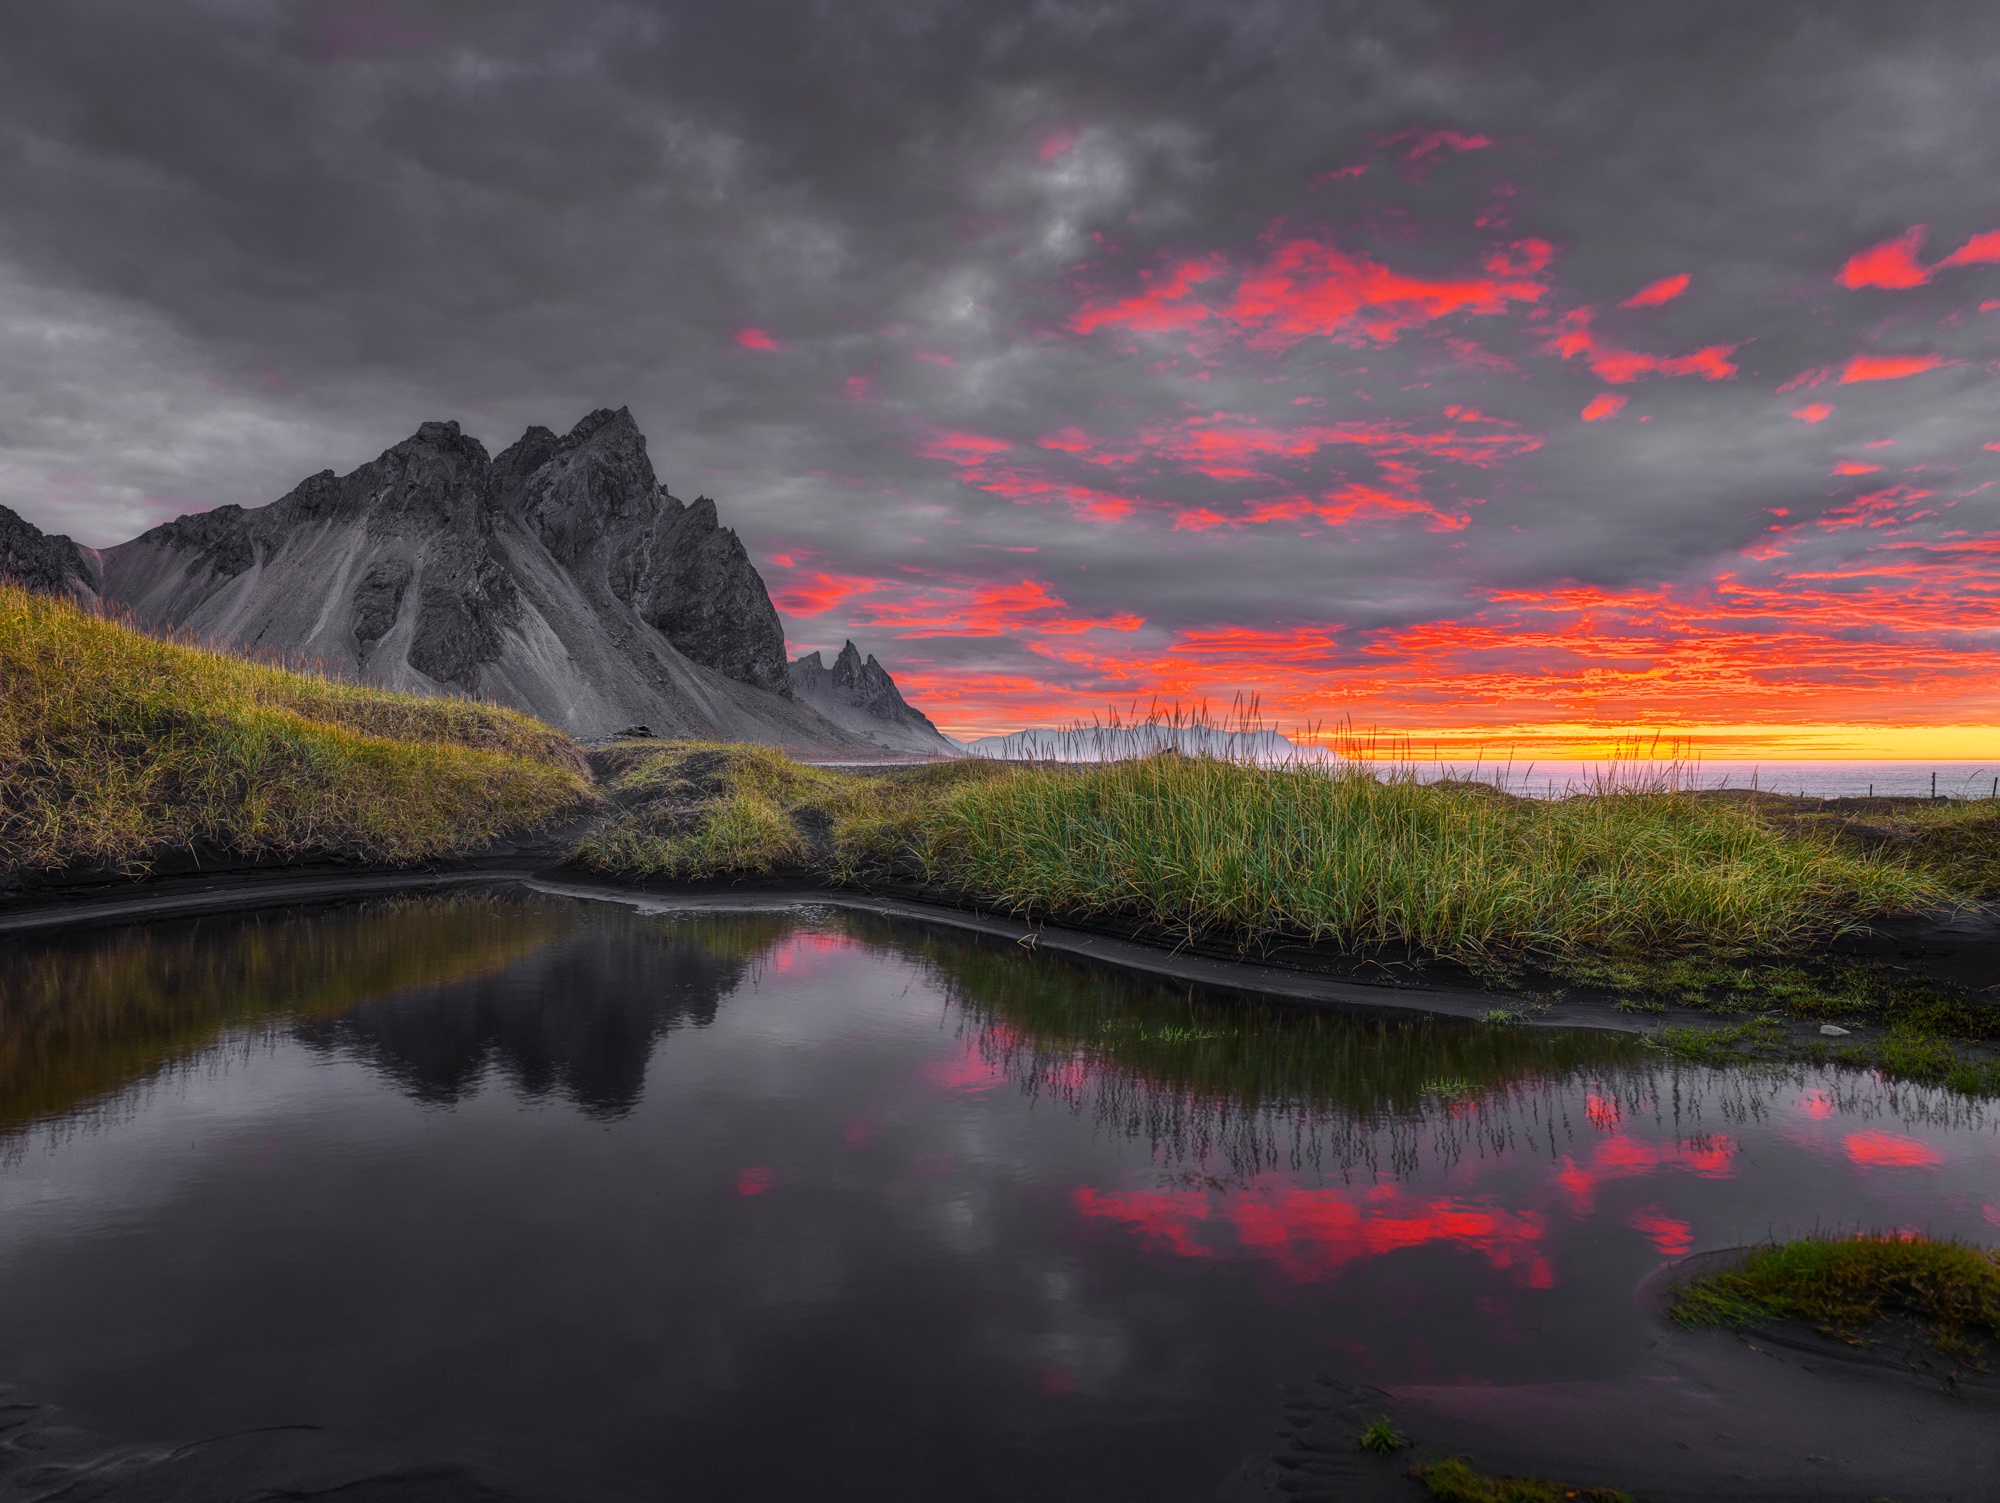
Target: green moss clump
[[1844, 1287]]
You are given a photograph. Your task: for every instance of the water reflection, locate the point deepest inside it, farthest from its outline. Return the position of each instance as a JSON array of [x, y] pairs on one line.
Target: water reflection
[[1060, 1229], [577, 1018]]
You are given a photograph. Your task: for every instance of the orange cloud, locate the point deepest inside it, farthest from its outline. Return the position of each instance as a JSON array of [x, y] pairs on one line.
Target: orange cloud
[[1813, 412], [1855, 467], [1604, 405], [1893, 263], [1655, 293]]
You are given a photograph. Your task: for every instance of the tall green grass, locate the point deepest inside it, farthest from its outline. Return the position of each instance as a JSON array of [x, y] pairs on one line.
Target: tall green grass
[[1203, 847], [118, 749], [1209, 849]]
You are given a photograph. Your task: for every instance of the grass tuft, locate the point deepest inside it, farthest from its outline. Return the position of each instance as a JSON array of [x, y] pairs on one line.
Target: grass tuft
[[118, 749], [1383, 1438], [1844, 1286]]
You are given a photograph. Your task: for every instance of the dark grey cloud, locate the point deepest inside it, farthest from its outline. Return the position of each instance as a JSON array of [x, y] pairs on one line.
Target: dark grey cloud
[[243, 241]]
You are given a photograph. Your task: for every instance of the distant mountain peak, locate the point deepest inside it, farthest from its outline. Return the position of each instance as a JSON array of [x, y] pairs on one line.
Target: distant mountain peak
[[861, 696]]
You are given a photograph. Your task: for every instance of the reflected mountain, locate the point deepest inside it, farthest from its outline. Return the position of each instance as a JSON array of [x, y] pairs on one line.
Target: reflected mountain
[[577, 1019], [85, 1014], [434, 990]]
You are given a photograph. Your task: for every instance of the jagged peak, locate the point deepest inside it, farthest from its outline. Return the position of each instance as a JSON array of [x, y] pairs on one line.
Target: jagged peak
[[618, 421]]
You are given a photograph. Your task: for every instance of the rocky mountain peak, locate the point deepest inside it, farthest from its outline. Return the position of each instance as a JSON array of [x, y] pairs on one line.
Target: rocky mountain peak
[[859, 693], [47, 563]]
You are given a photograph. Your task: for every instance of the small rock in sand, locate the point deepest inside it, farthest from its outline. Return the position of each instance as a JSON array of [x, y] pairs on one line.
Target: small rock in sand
[[1832, 1029]]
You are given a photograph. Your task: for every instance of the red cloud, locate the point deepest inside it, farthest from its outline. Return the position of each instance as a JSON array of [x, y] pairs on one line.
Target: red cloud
[[1813, 412], [1855, 467], [1162, 307], [1606, 404], [973, 608], [1432, 142], [1655, 293], [1893, 263], [1310, 288], [963, 448], [1889, 367], [755, 339], [1055, 144], [1622, 366], [1979, 249], [816, 593]]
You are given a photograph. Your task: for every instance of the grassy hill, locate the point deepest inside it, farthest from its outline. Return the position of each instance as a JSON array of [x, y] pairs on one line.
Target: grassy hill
[[119, 751]]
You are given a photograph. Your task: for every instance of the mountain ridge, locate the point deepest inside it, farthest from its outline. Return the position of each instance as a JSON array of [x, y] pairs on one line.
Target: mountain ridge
[[559, 577]]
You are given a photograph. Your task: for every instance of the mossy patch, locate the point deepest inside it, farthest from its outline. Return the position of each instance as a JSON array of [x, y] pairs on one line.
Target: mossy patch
[[1455, 1481], [1846, 1287]]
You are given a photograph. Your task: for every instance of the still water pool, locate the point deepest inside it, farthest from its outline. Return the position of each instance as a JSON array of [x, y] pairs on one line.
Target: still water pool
[[598, 1203]]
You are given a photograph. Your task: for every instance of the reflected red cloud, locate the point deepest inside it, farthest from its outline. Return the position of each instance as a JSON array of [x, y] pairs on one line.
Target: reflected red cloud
[[1889, 367], [1167, 1218], [1893, 263], [1314, 1233], [1655, 293], [1887, 1150], [968, 1075], [756, 339], [1669, 1234], [1575, 337], [755, 1180], [1607, 404], [1813, 412]]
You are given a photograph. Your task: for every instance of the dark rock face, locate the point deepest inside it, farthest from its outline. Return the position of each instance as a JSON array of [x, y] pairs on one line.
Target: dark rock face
[[378, 601], [861, 695], [47, 564], [703, 592], [592, 500], [467, 600]]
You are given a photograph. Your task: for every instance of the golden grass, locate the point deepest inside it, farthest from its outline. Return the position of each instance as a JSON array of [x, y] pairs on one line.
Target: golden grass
[[1205, 848], [117, 749]]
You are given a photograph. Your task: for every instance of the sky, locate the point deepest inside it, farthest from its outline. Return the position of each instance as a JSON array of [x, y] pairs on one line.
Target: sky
[[1512, 373]]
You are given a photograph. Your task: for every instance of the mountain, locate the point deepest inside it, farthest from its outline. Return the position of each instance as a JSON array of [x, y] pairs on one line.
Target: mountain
[[862, 698], [1096, 743], [50, 565], [558, 577]]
